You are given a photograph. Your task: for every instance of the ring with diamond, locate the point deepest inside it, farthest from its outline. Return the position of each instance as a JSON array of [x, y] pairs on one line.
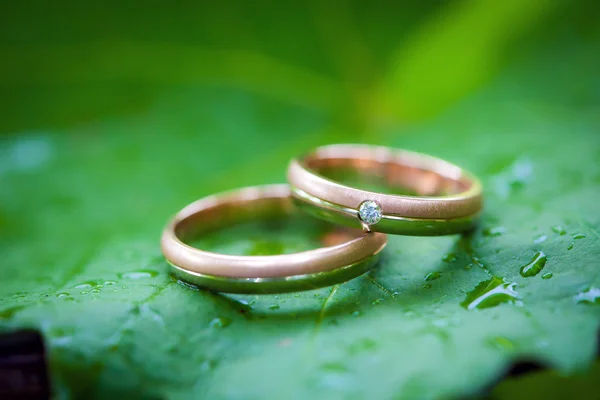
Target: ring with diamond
[[306, 270], [444, 199]]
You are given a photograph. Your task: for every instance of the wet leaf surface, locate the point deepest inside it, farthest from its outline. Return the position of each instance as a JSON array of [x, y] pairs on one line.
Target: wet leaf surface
[[83, 201]]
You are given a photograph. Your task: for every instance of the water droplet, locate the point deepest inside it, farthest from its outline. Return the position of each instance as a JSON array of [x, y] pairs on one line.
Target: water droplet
[[426, 286], [432, 276], [494, 231], [95, 291], [534, 266], [578, 236], [274, 307], [62, 295], [356, 313], [396, 293], [450, 257], [547, 275], [87, 285], [590, 296], [220, 322], [140, 274], [540, 239], [376, 302], [491, 293], [468, 266], [109, 283], [84, 292], [559, 229], [570, 247]]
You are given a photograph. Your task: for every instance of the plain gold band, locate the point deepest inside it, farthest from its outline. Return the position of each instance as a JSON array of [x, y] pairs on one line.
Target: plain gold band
[[213, 210]]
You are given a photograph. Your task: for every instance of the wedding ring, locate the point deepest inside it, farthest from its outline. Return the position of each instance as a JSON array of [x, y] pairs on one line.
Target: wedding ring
[[260, 274], [447, 198]]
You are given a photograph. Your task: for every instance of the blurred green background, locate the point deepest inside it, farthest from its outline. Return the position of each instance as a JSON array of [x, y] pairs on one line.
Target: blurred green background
[[363, 65], [116, 114]]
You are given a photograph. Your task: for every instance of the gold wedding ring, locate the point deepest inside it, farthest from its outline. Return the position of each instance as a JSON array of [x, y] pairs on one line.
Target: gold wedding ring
[[447, 198], [443, 199], [260, 274]]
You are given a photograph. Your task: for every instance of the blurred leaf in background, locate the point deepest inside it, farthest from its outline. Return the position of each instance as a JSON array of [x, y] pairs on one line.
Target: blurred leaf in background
[[115, 115]]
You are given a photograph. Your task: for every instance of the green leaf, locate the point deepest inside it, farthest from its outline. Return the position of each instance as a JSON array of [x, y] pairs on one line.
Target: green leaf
[[87, 185]]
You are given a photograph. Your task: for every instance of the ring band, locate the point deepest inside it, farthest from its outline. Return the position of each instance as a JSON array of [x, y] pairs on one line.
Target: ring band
[[449, 199], [260, 274]]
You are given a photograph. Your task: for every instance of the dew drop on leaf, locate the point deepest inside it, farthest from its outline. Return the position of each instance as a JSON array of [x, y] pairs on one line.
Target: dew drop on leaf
[[450, 257], [494, 231], [140, 274], [432, 276], [491, 293], [87, 285], [590, 296], [220, 322], [540, 239], [534, 266]]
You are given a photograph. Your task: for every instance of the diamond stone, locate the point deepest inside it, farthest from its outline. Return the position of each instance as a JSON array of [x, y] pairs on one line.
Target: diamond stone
[[369, 211]]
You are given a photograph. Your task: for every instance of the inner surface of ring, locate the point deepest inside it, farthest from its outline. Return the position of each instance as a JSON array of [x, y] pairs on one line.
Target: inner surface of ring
[[273, 216], [398, 173]]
